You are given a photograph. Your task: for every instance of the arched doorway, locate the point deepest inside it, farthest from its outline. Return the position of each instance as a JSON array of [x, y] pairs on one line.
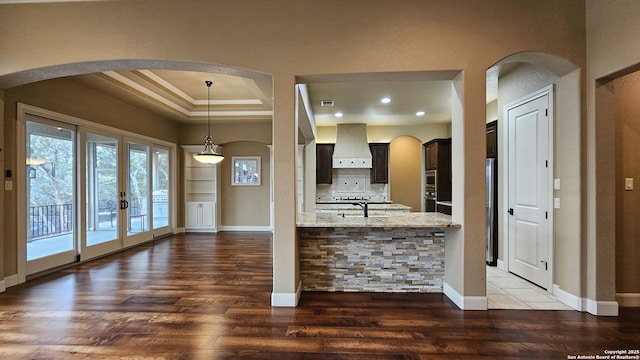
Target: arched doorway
[[509, 80]]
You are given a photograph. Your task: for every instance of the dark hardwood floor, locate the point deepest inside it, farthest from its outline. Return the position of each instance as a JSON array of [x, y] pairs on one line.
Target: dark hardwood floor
[[207, 296]]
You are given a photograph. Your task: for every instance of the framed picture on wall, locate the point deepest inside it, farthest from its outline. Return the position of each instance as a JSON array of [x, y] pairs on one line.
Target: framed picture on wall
[[245, 170]]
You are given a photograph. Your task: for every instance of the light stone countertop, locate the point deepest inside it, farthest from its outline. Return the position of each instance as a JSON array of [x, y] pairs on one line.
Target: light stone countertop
[[391, 220], [372, 206]]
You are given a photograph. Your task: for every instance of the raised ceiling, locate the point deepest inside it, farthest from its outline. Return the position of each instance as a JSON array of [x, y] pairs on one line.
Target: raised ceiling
[[182, 96]]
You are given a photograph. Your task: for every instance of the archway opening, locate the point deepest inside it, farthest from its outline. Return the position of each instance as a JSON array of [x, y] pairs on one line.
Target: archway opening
[[508, 81]]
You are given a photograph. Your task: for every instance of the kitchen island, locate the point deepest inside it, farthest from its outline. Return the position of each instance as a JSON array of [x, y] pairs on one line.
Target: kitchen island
[[394, 252]]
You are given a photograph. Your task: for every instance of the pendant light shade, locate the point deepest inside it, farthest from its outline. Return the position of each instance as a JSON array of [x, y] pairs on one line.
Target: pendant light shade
[[211, 153]]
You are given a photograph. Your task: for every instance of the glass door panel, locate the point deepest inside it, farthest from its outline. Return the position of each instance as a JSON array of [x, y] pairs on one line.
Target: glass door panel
[[50, 190], [102, 189], [160, 195], [138, 186]]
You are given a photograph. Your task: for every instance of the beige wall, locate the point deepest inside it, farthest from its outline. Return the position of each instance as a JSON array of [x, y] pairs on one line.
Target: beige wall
[[4, 244], [612, 50], [461, 35], [627, 109], [405, 168], [492, 111], [245, 206]]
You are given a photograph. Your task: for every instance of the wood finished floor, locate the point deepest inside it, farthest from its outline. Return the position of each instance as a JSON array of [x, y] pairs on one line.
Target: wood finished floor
[[207, 296]]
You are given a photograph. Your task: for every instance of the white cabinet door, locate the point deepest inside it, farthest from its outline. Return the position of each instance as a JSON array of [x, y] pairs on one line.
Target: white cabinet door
[[193, 215], [200, 216], [208, 213]]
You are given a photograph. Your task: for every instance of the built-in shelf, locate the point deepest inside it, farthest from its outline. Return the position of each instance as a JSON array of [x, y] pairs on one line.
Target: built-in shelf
[[201, 186]]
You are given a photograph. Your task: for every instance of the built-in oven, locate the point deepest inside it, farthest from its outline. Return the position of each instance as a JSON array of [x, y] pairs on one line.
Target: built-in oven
[[430, 201], [430, 190], [430, 181]]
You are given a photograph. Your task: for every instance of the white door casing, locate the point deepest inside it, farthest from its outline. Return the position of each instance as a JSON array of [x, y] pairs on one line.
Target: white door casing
[[529, 236]]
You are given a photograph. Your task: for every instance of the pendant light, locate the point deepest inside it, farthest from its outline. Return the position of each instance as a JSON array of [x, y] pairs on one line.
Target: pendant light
[[211, 153]]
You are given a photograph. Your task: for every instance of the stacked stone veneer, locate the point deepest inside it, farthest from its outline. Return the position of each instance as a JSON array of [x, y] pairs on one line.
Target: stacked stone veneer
[[371, 259]]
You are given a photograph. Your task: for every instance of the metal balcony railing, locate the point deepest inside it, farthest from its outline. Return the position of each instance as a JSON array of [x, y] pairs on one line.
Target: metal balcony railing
[[50, 220]]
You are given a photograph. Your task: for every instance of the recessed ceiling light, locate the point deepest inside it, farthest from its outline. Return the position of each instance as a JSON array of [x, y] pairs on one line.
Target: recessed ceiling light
[[420, 113], [338, 114], [385, 100]]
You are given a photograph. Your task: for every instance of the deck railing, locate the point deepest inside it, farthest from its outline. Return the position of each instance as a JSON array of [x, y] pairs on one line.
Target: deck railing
[[50, 220]]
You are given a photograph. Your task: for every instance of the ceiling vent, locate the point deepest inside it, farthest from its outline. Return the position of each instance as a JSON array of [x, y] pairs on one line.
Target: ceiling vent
[[326, 103]]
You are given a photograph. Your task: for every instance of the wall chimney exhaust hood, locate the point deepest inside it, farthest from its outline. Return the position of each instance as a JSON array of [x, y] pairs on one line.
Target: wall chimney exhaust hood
[[352, 148]]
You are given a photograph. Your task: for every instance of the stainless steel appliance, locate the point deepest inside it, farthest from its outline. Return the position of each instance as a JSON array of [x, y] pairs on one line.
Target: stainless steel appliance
[[430, 190], [431, 181], [492, 218], [430, 201]]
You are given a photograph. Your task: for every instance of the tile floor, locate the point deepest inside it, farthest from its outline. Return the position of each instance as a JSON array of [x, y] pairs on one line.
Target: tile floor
[[508, 291]]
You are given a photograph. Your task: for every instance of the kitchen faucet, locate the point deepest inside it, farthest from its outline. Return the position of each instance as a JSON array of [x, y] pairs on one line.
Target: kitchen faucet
[[365, 207]]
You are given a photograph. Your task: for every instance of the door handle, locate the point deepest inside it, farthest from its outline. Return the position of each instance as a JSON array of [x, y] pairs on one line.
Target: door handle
[[510, 211], [124, 204]]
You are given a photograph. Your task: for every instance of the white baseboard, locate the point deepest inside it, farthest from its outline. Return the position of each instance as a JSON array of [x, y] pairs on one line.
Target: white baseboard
[[593, 307], [286, 299], [10, 281], [602, 308], [500, 264], [572, 301], [628, 299], [465, 302], [201, 230], [245, 228]]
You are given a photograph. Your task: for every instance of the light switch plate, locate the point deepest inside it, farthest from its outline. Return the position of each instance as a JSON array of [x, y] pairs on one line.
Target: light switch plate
[[628, 184], [556, 184], [556, 203]]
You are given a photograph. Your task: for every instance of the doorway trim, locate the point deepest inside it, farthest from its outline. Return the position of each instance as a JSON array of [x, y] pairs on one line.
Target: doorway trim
[[545, 91]]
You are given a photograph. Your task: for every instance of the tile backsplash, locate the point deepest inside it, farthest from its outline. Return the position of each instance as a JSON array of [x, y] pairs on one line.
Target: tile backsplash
[[352, 183]]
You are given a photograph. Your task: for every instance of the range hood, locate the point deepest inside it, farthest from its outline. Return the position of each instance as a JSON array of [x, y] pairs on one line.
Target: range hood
[[352, 148]]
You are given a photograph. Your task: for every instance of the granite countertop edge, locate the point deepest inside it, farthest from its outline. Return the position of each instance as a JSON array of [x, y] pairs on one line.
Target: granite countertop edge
[[405, 220]]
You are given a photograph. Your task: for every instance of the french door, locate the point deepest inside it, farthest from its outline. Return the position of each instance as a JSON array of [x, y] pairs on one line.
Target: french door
[[88, 192], [117, 187], [50, 189]]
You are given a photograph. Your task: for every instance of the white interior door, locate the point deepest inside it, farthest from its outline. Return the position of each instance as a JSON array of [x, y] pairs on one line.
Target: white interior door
[[529, 192]]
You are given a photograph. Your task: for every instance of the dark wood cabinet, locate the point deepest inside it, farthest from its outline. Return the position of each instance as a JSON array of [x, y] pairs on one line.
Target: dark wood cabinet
[[492, 139], [437, 154], [324, 163], [437, 157], [444, 209], [380, 163]]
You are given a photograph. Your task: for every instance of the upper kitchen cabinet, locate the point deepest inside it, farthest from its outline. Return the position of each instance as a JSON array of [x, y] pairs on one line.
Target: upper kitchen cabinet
[[492, 139], [438, 160], [379, 163], [437, 154], [324, 163]]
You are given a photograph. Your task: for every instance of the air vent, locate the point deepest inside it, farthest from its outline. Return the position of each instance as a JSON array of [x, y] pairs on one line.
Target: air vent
[[326, 103]]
